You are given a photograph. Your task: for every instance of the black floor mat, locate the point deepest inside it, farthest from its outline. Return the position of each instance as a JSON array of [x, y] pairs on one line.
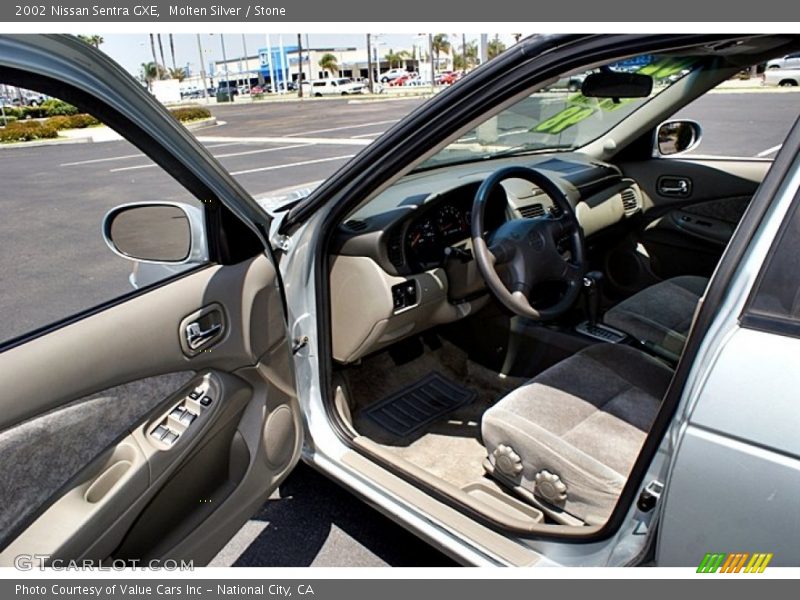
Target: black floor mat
[[423, 402]]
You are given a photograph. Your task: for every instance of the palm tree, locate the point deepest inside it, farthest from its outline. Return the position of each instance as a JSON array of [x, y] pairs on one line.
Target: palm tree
[[495, 47], [468, 57], [441, 45], [329, 63], [177, 73], [161, 50], [172, 50], [92, 40], [151, 71], [396, 57]]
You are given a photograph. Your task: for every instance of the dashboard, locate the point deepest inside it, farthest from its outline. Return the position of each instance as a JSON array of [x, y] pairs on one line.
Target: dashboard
[[391, 273]]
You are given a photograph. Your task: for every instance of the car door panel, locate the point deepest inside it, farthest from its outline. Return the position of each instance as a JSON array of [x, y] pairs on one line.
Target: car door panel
[[118, 480], [694, 205]]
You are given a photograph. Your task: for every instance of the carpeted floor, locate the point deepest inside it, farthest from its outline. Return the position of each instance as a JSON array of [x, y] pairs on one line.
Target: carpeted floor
[[450, 447]]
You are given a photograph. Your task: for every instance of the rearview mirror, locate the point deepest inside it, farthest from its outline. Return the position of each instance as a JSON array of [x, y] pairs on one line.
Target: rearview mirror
[[674, 137], [162, 233], [614, 84]]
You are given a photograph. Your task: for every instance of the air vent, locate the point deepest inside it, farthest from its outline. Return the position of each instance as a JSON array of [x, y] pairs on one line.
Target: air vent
[[355, 225], [630, 201], [394, 250], [531, 211]]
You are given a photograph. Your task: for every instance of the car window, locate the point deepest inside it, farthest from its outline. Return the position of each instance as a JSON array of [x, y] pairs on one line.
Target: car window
[[768, 120], [62, 170], [775, 303]]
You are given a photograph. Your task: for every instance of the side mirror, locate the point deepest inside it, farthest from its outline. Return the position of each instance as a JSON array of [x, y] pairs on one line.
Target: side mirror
[[167, 233], [674, 137]]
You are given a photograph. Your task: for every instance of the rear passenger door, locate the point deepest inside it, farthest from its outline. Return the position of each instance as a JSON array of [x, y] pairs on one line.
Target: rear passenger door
[[120, 438]]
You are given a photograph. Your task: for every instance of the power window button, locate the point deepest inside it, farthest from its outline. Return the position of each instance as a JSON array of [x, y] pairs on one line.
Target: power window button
[[160, 432], [170, 438], [187, 417]]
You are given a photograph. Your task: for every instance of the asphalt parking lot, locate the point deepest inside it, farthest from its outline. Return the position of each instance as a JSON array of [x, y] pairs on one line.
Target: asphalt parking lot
[[54, 263]]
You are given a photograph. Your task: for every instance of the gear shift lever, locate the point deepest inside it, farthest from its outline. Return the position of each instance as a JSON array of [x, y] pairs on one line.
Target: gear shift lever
[[591, 327], [592, 286]]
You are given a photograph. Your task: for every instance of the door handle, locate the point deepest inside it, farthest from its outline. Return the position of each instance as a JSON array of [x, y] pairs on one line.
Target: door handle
[[196, 336], [674, 186]]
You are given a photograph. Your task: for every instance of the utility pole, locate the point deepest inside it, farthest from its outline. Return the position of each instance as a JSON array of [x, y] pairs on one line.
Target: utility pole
[[246, 64], [484, 47], [433, 68], [225, 64], [464, 50], [299, 66], [369, 63], [202, 67], [308, 55], [272, 83]]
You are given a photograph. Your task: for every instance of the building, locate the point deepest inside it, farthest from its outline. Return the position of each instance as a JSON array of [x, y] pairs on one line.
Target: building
[[284, 64]]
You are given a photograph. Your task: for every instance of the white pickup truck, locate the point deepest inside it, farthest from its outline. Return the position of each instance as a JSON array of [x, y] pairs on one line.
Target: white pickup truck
[[782, 77]]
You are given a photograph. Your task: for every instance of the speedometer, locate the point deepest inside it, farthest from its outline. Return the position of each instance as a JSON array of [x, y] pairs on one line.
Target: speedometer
[[450, 222], [423, 242]]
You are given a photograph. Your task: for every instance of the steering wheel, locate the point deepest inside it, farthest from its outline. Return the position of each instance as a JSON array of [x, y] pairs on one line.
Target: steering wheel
[[527, 248]]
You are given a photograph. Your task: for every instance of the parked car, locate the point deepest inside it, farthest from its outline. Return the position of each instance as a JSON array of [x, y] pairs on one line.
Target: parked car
[[227, 87], [391, 74], [429, 328], [784, 77], [341, 86], [790, 61]]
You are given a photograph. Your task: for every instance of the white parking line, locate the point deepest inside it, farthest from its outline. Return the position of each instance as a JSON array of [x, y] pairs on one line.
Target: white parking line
[[286, 140], [769, 151], [260, 151], [247, 152], [366, 135], [343, 127], [125, 157], [296, 164]]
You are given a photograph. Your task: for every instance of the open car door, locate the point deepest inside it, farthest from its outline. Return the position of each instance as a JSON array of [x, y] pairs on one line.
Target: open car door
[[154, 425]]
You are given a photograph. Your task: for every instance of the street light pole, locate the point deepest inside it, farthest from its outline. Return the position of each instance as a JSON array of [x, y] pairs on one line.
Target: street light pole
[[299, 66], [246, 65], [433, 69], [369, 64], [225, 63], [202, 67]]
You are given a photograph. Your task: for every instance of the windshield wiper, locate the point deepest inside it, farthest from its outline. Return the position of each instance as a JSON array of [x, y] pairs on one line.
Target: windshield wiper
[[528, 148], [518, 150]]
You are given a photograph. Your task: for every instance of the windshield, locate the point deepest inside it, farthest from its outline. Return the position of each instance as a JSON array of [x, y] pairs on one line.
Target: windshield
[[559, 117]]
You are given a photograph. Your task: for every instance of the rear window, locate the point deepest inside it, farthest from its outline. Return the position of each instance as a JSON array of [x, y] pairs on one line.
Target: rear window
[[775, 302]]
